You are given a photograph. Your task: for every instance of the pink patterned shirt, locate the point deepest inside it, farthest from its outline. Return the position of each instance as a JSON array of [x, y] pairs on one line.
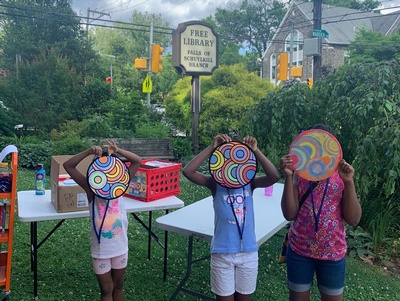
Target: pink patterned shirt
[[328, 240]]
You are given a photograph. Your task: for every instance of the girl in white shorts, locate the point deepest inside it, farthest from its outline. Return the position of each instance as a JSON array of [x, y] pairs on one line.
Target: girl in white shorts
[[234, 249]]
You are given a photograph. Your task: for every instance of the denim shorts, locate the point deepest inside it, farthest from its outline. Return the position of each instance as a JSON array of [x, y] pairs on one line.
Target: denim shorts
[[300, 273]]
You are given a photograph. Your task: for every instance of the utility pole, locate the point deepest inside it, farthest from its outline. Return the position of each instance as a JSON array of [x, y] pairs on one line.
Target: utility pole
[[317, 26], [101, 14], [291, 43], [150, 55], [87, 25]]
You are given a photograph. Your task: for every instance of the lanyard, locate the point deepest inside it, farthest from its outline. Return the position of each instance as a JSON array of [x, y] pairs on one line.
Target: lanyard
[[317, 215], [240, 229], [98, 234]]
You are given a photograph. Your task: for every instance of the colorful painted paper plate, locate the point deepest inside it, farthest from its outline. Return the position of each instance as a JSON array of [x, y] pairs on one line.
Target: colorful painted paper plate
[[108, 177], [316, 154], [233, 164]]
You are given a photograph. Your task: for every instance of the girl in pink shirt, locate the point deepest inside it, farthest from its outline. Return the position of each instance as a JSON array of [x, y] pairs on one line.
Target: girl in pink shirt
[[317, 238]]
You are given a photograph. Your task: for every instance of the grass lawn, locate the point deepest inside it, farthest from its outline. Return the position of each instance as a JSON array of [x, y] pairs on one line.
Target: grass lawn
[[65, 271]]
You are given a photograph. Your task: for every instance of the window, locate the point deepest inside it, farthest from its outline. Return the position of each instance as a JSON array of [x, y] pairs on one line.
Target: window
[[272, 71], [298, 43]]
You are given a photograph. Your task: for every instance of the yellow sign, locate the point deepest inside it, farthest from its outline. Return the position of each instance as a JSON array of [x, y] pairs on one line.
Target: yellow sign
[[147, 86]]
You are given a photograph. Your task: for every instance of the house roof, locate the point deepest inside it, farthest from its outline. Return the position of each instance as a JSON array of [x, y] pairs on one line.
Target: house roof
[[343, 23]]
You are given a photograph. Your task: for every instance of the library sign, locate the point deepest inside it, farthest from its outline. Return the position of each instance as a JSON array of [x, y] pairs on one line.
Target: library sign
[[195, 48]]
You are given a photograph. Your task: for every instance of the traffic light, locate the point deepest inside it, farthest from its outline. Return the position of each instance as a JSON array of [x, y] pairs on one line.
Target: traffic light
[[296, 71], [156, 58], [108, 80], [282, 66], [140, 63], [309, 82]]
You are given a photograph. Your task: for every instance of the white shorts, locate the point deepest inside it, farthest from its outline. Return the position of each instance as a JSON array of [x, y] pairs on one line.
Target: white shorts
[[235, 272]]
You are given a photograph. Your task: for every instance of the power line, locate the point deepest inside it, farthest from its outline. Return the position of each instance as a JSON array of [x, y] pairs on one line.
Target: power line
[[74, 16], [83, 23], [307, 22]]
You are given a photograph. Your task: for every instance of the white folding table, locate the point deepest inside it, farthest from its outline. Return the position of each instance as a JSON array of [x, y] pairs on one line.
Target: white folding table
[[34, 208], [197, 220]]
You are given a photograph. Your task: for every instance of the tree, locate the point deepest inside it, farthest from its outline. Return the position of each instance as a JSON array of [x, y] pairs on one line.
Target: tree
[[251, 25], [225, 98], [129, 41], [228, 50], [362, 103], [370, 46], [364, 5], [44, 94], [36, 27]]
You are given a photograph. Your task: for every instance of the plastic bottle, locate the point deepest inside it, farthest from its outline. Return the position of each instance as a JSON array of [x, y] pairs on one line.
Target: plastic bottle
[[5, 178], [40, 180]]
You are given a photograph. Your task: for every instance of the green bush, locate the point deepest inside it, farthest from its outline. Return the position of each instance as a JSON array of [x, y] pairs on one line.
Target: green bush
[[152, 130], [182, 147], [70, 146]]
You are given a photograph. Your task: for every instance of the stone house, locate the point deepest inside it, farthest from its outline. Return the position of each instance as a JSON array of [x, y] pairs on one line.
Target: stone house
[[296, 31]]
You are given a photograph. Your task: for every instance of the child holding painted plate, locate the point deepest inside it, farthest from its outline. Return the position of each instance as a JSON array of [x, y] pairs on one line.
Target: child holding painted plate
[[317, 238], [232, 179], [109, 220]]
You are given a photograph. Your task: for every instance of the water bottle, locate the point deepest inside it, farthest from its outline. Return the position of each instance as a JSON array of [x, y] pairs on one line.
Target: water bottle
[[40, 177], [5, 178]]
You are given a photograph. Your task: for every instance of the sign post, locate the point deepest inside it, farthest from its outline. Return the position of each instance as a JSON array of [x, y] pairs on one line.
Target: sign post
[[195, 53]]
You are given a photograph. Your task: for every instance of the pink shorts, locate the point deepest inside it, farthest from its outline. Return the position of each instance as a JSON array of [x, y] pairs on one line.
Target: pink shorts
[[102, 266]]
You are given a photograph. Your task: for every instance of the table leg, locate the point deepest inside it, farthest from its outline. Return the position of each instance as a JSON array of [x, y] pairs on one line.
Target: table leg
[[34, 252], [165, 251], [149, 235], [34, 257], [181, 286]]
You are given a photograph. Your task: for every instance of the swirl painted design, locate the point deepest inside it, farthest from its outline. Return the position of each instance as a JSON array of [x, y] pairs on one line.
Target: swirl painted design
[[316, 154], [233, 164], [108, 177]]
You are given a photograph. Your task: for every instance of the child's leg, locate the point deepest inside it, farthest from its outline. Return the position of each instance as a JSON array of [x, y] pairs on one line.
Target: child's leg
[[300, 274], [299, 296], [102, 268], [118, 266], [246, 275], [222, 277], [331, 277], [241, 297], [331, 298]]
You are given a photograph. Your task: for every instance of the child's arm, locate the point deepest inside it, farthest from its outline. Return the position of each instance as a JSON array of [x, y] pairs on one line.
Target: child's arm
[[134, 159], [351, 208], [190, 171], [290, 197], [271, 173], [76, 175]]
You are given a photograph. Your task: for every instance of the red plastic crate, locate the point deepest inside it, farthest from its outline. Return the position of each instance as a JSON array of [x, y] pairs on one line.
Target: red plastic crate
[[155, 179]]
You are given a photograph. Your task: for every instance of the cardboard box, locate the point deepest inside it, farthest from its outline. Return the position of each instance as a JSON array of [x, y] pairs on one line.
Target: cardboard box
[[67, 197], [155, 179]]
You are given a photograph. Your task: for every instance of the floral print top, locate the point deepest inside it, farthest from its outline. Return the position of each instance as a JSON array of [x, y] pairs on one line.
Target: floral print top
[[109, 226], [318, 230]]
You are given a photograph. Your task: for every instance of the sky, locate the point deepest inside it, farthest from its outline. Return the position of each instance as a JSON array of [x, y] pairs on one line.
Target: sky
[[174, 11]]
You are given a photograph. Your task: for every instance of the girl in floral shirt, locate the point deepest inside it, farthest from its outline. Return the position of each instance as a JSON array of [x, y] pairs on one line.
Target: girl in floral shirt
[[317, 238], [109, 225]]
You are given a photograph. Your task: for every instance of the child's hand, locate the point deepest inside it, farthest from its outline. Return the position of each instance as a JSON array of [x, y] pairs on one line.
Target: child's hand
[[221, 138], [111, 147], [251, 141], [285, 164], [96, 150], [346, 171]]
